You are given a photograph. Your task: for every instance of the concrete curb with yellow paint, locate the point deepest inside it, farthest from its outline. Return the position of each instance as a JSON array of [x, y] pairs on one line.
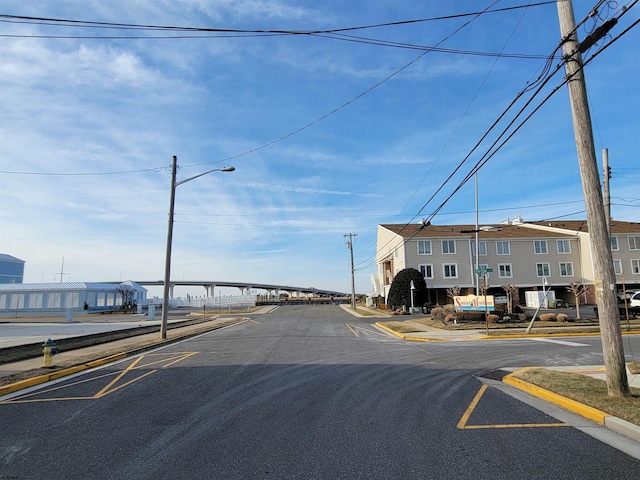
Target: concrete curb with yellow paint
[[30, 382], [614, 423], [405, 337]]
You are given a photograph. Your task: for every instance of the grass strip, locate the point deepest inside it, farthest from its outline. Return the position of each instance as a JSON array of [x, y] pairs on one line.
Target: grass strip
[[586, 390]]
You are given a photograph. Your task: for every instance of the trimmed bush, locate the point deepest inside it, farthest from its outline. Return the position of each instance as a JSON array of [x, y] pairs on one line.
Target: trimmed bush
[[450, 318], [492, 318], [437, 313], [547, 317], [563, 317]]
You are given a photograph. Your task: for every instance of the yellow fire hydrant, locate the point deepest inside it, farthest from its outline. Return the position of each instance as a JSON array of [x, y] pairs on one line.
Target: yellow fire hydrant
[[48, 351]]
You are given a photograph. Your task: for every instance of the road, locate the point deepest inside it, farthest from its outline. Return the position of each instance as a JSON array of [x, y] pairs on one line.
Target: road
[[309, 392]]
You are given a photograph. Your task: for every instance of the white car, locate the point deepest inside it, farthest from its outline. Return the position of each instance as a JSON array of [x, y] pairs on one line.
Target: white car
[[635, 300], [627, 293]]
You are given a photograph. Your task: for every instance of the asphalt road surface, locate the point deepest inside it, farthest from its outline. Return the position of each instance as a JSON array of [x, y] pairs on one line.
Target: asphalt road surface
[[309, 392]]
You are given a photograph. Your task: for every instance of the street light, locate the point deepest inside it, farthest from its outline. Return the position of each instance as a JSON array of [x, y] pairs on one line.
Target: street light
[[167, 262]]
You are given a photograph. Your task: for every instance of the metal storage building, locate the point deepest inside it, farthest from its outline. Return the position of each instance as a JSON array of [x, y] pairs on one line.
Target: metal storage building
[[38, 298], [11, 269]]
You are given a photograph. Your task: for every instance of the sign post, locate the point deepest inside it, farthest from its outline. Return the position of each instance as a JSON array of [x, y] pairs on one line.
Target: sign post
[[483, 271]]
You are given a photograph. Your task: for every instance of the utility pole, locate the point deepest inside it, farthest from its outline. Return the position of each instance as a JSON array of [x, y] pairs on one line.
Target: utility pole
[[606, 176], [604, 275], [353, 281]]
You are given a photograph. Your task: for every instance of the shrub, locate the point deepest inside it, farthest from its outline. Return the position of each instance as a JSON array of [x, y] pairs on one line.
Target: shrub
[[449, 318], [522, 317], [492, 318], [475, 317], [449, 309], [563, 317], [438, 314], [400, 291], [506, 318], [547, 317]]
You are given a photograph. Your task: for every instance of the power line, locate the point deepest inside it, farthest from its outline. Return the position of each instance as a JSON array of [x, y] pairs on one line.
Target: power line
[[489, 153], [58, 22]]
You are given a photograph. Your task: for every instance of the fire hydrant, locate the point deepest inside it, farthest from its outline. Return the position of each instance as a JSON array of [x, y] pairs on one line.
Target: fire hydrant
[[49, 350]]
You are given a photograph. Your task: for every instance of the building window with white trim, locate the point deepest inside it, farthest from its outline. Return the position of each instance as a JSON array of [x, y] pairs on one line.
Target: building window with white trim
[[449, 246], [617, 267], [426, 270], [503, 248], [543, 269], [614, 244], [635, 267], [424, 247], [504, 270], [566, 269], [563, 246], [634, 243], [540, 246], [482, 248], [450, 270]]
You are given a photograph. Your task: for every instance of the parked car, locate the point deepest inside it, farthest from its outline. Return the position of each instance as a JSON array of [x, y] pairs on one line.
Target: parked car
[[635, 300], [627, 293]]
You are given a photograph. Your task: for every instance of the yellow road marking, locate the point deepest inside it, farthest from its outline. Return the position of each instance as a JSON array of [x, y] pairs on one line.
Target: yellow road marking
[[352, 330], [462, 424], [122, 374], [112, 386]]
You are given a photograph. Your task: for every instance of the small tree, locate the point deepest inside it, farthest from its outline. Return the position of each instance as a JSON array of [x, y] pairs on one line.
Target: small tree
[[577, 289], [453, 292], [400, 290], [127, 292], [512, 292]]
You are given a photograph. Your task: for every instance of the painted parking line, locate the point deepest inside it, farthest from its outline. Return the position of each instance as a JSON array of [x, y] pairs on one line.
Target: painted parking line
[[560, 342], [114, 380], [352, 330], [464, 425]]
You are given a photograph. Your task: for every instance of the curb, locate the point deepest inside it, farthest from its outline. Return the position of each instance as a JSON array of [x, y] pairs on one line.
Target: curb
[[37, 380], [616, 424], [30, 382], [406, 337]]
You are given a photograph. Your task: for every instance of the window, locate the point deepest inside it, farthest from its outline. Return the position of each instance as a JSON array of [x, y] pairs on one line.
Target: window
[[450, 270], [482, 248], [614, 244], [564, 246], [424, 247], [635, 267], [540, 246], [634, 243], [566, 269], [617, 267], [504, 270], [502, 248], [426, 270], [543, 269], [448, 246]]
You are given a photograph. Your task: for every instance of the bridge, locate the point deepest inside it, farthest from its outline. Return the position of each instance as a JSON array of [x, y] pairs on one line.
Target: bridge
[[244, 287]]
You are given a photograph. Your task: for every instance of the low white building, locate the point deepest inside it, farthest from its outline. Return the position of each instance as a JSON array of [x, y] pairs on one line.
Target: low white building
[[38, 298]]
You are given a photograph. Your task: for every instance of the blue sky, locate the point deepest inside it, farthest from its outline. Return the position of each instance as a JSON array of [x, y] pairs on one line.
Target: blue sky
[[90, 125]]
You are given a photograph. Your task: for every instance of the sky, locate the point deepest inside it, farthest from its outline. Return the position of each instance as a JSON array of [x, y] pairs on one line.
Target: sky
[[330, 133]]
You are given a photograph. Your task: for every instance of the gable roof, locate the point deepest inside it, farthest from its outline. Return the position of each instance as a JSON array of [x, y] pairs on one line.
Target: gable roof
[[506, 231], [9, 258], [498, 231]]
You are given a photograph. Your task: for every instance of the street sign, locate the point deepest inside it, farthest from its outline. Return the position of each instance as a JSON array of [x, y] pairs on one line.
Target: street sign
[[482, 271]]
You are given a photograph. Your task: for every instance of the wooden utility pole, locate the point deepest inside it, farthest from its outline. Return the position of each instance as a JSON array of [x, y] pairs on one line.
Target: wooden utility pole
[[353, 280], [606, 175], [604, 275]]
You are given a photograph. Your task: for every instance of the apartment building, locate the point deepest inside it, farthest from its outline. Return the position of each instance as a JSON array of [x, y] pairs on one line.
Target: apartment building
[[528, 255]]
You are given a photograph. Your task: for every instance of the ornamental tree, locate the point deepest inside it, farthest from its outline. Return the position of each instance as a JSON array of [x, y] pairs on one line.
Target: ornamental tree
[[400, 290]]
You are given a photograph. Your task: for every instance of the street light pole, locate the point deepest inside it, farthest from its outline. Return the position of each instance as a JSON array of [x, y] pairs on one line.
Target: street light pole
[[167, 259]]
